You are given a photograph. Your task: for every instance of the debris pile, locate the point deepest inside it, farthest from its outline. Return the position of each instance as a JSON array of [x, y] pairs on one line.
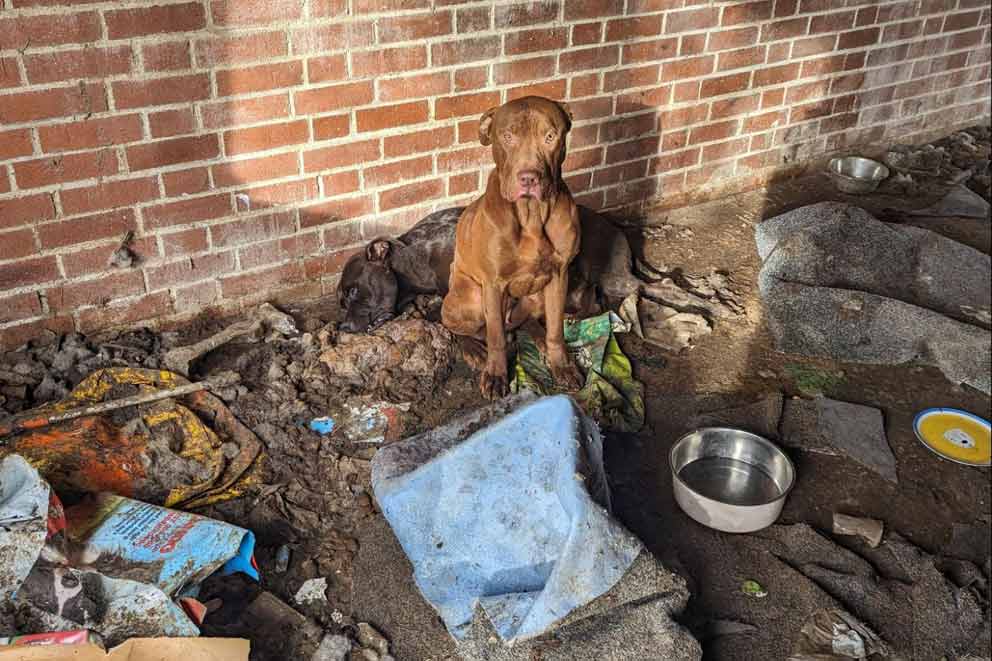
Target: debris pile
[[960, 158]]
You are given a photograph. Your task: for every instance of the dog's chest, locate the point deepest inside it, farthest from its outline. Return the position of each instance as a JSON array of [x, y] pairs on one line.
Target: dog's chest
[[533, 263]]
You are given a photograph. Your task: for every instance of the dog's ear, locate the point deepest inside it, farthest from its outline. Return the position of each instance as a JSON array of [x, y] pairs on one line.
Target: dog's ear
[[486, 126], [568, 114], [378, 250]]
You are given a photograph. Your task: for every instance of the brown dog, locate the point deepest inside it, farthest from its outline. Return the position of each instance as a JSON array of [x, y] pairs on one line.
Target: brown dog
[[514, 245]]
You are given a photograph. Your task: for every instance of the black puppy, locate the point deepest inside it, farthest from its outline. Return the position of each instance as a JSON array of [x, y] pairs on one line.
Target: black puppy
[[380, 280]]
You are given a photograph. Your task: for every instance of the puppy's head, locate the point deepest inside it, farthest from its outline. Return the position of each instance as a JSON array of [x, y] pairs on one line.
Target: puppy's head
[[368, 288], [528, 139]]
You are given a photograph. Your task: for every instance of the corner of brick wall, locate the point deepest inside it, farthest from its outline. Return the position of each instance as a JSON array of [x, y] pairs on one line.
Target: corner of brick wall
[[251, 146]]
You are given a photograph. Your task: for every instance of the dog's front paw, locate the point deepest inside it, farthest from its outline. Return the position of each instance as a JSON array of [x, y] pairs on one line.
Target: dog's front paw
[[567, 375], [493, 384]]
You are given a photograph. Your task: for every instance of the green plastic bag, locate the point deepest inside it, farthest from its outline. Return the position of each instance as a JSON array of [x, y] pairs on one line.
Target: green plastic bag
[[610, 395]]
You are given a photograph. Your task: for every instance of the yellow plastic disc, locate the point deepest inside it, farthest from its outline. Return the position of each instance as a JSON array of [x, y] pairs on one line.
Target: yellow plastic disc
[[956, 435]]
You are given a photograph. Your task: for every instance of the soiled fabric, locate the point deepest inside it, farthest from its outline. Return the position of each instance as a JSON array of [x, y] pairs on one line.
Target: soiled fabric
[[507, 509]]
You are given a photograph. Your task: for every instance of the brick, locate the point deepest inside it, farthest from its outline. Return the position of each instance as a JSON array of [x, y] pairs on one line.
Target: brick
[[659, 49], [463, 184], [410, 194], [251, 230], [813, 45], [810, 111], [331, 127], [776, 75], [580, 86], [551, 89], [15, 143], [171, 152], [617, 173], [421, 141], [190, 269], [530, 13], [385, 117], [468, 131], [245, 111], [186, 182], [839, 122], [269, 136], [333, 97], [224, 51], [682, 117], [232, 173], [737, 106], [728, 39], [334, 211], [161, 91], [750, 12], [414, 27], [65, 167], [74, 295], [738, 59], [168, 56], [412, 87], [463, 159], [28, 272], [772, 97], [325, 265], [26, 209], [247, 283], [686, 91], [532, 41], [474, 19], [126, 313], [254, 12], [260, 78], [778, 52], [712, 132], [95, 260], [464, 51], [858, 38], [787, 29], [329, 158], [74, 231], [19, 306], [691, 19], [629, 78], [340, 183], [902, 31], [388, 60], [327, 69], [385, 6], [866, 16], [687, 68], [168, 123], [592, 9], [849, 83], [637, 101], [675, 161], [627, 151], [692, 44], [587, 33], [196, 297], [187, 211], [822, 66], [589, 58], [108, 195], [16, 243], [73, 65], [465, 104], [632, 28], [800, 93], [785, 8], [334, 37], [651, 6], [22, 32], [81, 99], [10, 74], [470, 78], [966, 39], [143, 21], [14, 336], [627, 128], [961, 21], [279, 250], [723, 150], [833, 22]]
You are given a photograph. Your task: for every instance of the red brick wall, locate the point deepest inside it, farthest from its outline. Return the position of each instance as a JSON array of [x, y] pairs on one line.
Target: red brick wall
[[251, 144]]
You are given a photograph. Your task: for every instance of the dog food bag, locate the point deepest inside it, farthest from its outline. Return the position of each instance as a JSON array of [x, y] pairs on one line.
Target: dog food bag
[[124, 538]]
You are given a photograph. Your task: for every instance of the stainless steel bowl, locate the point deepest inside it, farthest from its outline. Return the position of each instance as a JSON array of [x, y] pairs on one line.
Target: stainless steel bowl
[[730, 479], [857, 175]]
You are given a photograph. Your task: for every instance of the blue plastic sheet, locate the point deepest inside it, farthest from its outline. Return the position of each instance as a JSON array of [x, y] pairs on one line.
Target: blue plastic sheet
[[513, 517]]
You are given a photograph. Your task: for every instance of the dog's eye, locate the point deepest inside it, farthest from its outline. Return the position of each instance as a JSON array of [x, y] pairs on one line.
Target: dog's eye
[[550, 137]]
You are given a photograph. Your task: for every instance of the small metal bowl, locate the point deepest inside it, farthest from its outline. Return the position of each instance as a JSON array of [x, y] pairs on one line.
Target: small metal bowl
[[729, 479], [856, 175]]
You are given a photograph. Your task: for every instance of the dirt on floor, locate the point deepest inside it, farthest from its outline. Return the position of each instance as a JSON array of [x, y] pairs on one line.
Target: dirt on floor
[[316, 502]]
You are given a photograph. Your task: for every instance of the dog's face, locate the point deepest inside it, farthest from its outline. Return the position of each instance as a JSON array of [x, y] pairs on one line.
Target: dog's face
[[528, 139], [368, 289]]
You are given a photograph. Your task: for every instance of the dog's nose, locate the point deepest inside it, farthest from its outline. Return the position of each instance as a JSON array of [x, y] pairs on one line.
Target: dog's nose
[[528, 179]]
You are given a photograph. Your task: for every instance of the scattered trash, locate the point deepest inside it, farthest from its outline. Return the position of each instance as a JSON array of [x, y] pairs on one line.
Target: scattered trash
[[312, 590], [143, 649], [323, 425], [401, 356], [753, 589], [107, 563], [960, 202], [956, 435], [282, 559], [831, 633], [366, 423], [828, 426], [610, 395], [468, 548], [868, 529], [332, 648], [75, 637], [161, 452]]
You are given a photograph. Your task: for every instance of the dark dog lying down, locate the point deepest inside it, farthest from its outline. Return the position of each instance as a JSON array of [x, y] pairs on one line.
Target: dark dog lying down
[[378, 281]]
